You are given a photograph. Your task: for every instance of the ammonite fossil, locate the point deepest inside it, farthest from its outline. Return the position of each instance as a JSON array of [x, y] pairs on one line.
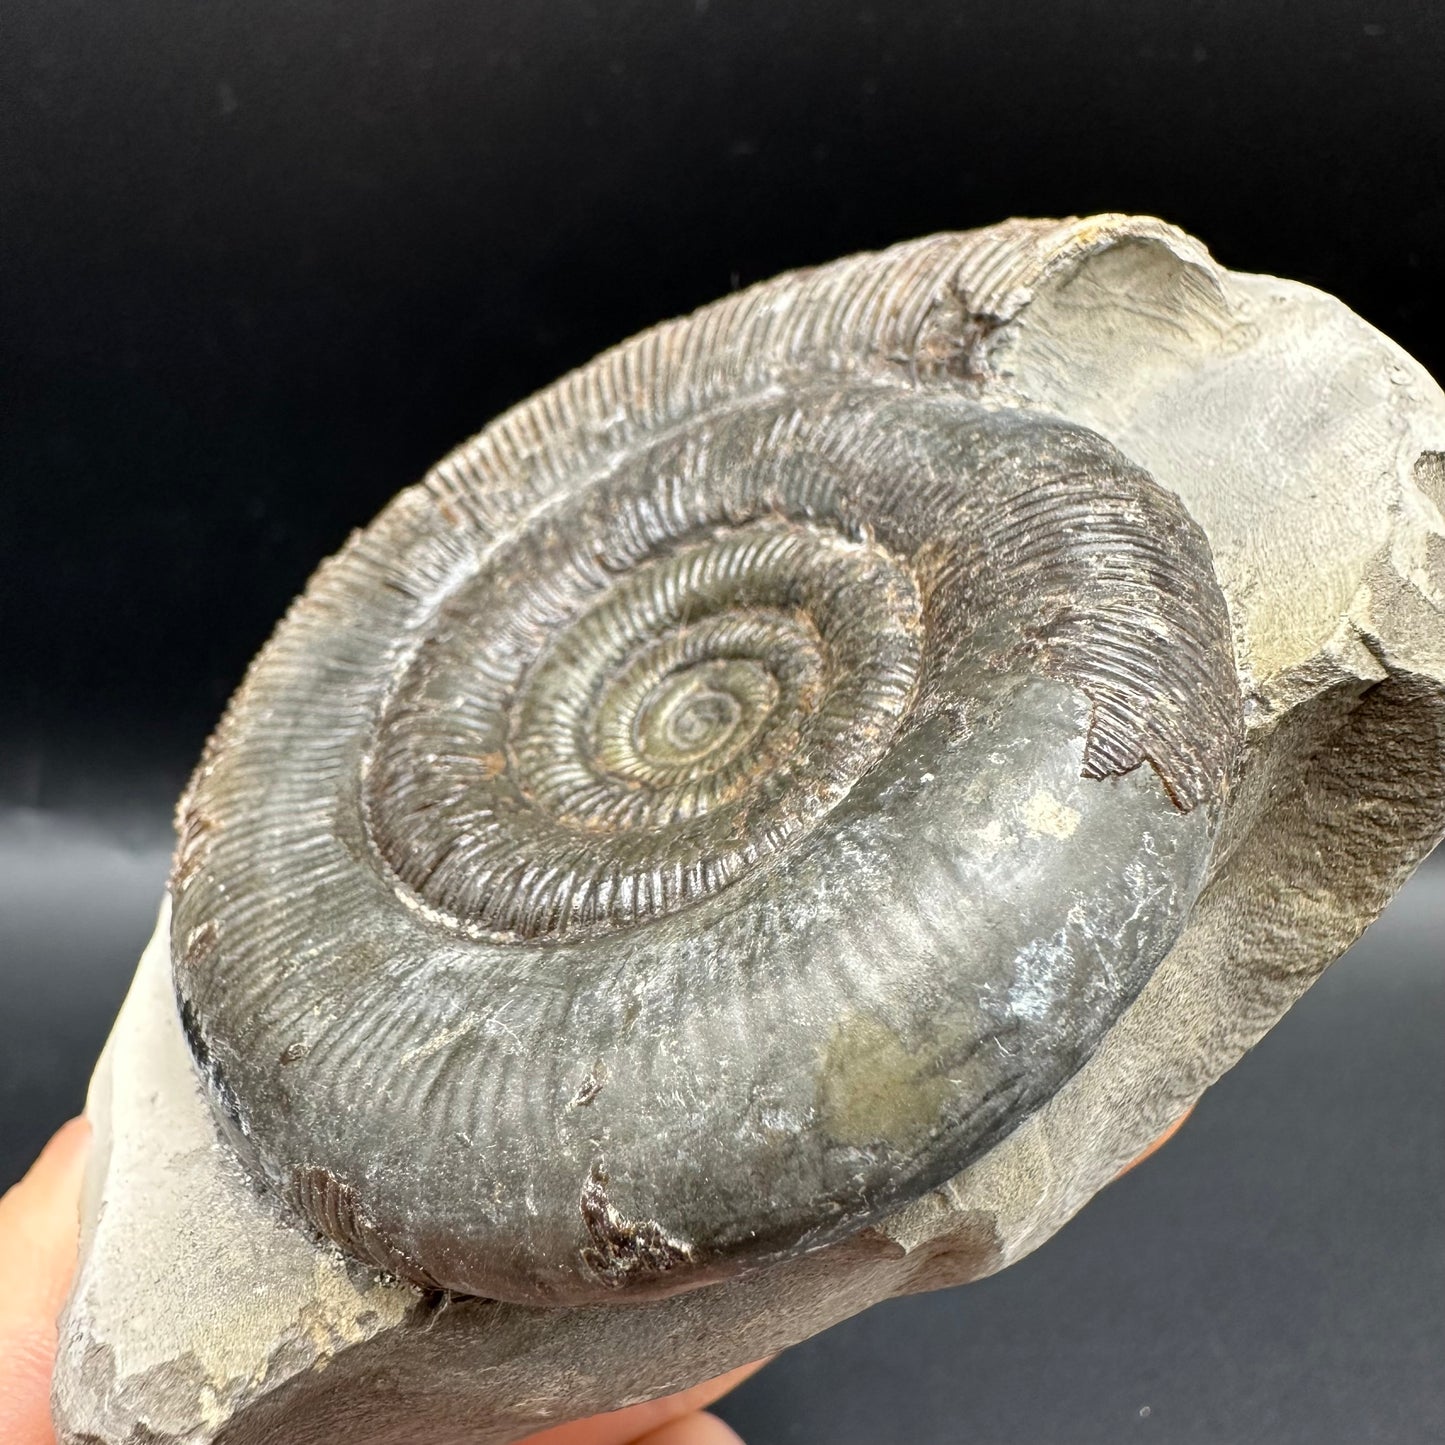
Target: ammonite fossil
[[600, 880], [788, 810]]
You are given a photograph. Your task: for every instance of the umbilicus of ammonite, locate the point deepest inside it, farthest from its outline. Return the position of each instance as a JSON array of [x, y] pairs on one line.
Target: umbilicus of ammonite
[[818, 788]]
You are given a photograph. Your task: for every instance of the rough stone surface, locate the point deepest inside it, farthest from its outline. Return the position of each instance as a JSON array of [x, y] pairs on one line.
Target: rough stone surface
[[1312, 452], [200, 1315]]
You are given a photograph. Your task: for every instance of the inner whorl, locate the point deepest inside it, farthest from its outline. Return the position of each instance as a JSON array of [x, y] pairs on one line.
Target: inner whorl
[[608, 725], [694, 867]]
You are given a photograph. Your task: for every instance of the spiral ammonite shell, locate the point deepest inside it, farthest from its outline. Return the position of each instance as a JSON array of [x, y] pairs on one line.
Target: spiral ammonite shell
[[725, 798]]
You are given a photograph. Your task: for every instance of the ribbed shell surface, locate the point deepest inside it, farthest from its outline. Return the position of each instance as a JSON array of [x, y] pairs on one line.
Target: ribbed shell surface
[[723, 799]]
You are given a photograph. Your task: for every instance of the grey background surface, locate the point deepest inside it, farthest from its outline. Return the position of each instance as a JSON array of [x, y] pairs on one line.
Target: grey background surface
[[263, 261]]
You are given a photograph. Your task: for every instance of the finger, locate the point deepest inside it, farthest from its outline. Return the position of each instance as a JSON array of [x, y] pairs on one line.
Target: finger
[[642, 1422], [39, 1221], [699, 1429]]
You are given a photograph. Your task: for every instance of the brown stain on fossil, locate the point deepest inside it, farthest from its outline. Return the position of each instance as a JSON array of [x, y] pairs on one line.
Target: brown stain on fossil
[[621, 1247], [196, 828], [332, 1206], [955, 342], [590, 1087], [201, 944]]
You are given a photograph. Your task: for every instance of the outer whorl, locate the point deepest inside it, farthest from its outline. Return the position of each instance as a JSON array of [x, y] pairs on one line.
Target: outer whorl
[[725, 798]]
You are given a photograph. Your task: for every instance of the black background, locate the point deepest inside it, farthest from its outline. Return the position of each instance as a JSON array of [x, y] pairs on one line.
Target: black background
[[261, 263]]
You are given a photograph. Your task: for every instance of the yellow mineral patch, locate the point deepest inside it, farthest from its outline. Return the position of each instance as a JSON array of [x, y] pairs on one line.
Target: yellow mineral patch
[[1045, 814], [871, 1088]]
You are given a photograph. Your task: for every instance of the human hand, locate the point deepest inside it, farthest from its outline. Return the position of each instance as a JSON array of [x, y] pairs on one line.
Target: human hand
[[38, 1227], [39, 1221]]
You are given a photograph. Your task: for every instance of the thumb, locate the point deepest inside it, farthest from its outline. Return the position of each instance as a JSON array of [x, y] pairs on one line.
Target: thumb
[[38, 1229]]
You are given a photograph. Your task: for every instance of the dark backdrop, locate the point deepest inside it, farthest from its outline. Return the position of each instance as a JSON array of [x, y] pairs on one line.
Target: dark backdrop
[[261, 263]]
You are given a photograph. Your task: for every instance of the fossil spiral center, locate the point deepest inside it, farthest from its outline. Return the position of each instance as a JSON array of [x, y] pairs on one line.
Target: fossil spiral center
[[692, 715], [701, 716], [577, 748]]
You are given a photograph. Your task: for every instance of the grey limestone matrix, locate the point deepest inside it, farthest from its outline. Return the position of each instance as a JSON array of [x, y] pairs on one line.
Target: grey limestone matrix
[[774, 822]]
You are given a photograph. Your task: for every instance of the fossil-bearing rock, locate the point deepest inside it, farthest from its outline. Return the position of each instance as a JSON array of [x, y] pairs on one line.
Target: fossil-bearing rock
[[775, 821]]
